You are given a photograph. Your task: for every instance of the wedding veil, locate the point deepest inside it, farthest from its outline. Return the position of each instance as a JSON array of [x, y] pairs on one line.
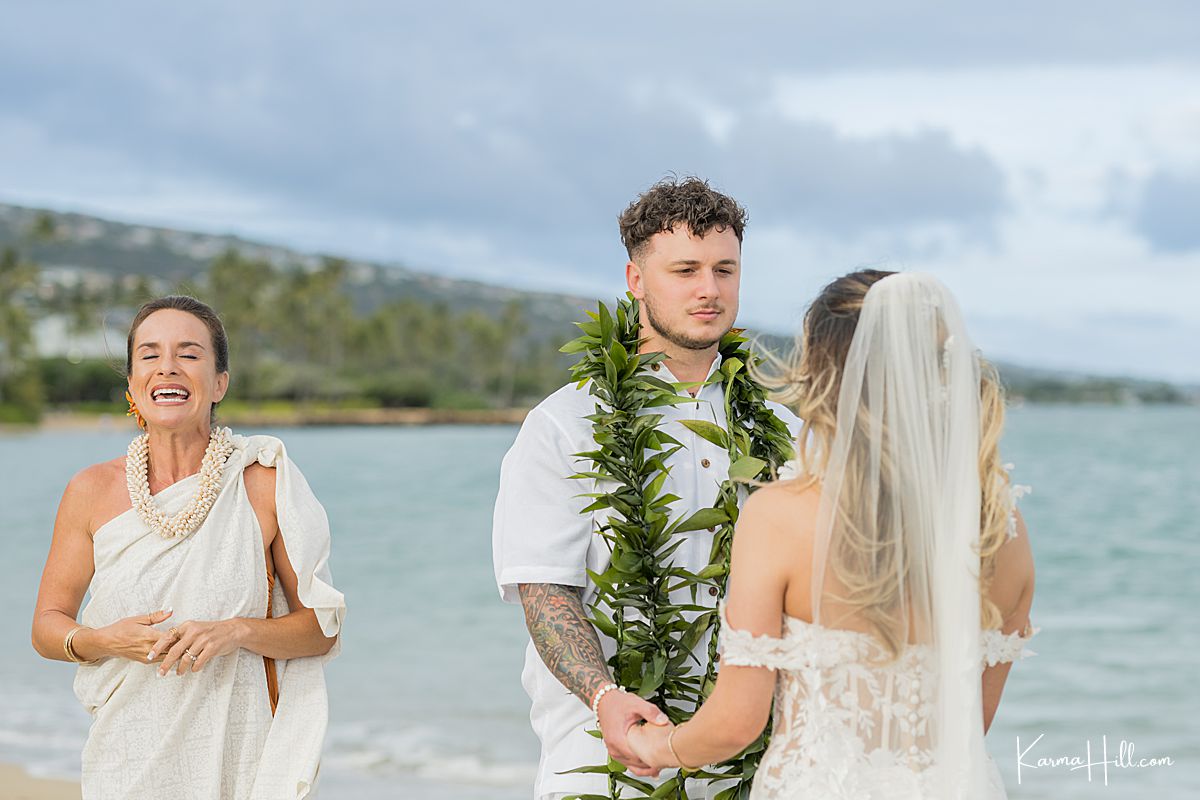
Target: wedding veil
[[896, 543]]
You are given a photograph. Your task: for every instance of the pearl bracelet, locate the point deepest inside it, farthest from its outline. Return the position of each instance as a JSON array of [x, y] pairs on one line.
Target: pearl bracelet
[[605, 689]]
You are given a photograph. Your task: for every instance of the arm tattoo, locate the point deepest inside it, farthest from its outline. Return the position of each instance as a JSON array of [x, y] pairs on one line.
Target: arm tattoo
[[564, 637]]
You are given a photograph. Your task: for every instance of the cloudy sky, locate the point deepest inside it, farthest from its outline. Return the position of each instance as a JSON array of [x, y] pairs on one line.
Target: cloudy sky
[[1041, 158]]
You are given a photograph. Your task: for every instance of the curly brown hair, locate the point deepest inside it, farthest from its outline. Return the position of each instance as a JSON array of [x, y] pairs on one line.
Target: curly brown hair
[[672, 201]]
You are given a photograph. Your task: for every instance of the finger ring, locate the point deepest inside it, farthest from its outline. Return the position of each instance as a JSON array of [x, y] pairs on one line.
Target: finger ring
[[188, 653], [174, 632]]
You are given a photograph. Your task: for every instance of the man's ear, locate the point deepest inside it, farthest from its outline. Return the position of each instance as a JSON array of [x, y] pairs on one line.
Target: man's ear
[[633, 279]]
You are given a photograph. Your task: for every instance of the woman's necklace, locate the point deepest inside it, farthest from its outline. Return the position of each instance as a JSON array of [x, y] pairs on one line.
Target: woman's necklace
[[137, 477]]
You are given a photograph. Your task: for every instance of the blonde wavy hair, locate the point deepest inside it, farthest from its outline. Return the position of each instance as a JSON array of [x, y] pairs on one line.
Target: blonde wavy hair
[[810, 382]]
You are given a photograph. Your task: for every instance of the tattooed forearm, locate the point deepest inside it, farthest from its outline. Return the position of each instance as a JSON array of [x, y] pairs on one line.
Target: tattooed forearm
[[564, 637]]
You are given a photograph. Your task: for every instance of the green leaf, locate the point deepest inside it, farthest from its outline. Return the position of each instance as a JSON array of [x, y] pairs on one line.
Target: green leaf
[[593, 770], [708, 431], [667, 789], [606, 321], [731, 366], [704, 518], [629, 780], [746, 468], [655, 486], [604, 624], [575, 346], [617, 353]]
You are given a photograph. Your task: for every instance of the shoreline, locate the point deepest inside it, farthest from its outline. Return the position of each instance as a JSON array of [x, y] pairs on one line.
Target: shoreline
[[274, 416], [17, 784], [291, 418]]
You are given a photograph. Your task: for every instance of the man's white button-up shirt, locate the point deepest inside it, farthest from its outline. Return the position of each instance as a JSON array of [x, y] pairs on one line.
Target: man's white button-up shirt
[[539, 535]]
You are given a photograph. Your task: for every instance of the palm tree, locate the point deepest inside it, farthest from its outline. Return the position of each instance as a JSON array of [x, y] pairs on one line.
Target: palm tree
[[18, 282], [242, 290]]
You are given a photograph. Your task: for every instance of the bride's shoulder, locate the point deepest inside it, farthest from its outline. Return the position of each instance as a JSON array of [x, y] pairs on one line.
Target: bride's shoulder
[[792, 490], [786, 507]]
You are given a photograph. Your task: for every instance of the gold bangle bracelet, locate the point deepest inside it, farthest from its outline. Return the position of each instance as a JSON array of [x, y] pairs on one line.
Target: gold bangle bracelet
[[69, 648], [671, 747]]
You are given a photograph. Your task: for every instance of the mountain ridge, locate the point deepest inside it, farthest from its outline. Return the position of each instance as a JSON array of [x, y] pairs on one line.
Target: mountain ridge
[[84, 247]]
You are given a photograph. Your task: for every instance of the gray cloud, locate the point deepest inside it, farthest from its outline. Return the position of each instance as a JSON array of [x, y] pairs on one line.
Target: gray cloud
[[450, 135], [811, 178], [1168, 215], [517, 125]]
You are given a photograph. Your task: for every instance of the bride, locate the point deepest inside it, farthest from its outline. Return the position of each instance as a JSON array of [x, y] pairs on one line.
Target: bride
[[880, 594]]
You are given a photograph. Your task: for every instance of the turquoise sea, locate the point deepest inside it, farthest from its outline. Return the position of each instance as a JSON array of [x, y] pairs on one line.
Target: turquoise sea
[[425, 698]]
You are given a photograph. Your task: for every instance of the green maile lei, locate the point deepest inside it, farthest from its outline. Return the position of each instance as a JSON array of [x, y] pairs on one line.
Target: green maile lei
[[654, 647]]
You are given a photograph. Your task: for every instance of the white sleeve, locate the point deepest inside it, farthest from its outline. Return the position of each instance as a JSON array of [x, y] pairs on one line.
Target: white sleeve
[[539, 534]]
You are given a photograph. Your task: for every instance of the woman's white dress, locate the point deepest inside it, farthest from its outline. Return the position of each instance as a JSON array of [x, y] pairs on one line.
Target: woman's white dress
[[834, 692], [209, 734]]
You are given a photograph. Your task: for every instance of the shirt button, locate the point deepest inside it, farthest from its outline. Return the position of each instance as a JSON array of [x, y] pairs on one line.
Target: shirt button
[[704, 462], [712, 590], [712, 530], [655, 367]]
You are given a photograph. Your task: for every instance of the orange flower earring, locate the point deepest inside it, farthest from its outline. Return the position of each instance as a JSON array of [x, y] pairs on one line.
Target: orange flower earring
[[133, 411]]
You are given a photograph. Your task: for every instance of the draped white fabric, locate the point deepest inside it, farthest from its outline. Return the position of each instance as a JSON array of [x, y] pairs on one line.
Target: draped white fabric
[[209, 734]]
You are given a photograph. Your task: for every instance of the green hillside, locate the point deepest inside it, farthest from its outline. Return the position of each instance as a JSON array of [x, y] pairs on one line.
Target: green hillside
[[313, 329]]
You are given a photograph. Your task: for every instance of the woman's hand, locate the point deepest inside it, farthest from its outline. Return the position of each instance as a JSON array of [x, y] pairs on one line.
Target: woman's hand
[[649, 743], [193, 644], [132, 638]]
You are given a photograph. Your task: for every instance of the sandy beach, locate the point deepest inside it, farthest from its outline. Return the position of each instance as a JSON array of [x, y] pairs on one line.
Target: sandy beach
[[17, 784]]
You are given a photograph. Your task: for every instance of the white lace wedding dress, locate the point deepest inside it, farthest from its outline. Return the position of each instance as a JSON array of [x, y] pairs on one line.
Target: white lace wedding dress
[[899, 515], [835, 691]]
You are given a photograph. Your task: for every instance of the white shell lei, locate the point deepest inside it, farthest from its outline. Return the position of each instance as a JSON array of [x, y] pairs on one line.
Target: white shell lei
[[137, 471]]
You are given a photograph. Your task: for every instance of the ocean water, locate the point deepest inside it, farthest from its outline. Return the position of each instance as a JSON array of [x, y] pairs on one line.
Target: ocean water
[[425, 698]]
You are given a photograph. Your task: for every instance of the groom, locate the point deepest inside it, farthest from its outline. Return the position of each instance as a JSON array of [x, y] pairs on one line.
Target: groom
[[684, 242]]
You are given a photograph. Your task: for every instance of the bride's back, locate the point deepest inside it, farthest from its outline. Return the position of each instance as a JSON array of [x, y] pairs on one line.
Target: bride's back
[[851, 719], [796, 505], [901, 568]]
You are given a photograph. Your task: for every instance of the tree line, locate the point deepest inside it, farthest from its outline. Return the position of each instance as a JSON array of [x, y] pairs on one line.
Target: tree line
[[297, 335]]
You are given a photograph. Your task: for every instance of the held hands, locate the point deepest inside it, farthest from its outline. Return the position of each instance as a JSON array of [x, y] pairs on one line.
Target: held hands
[[190, 645], [619, 712], [649, 744]]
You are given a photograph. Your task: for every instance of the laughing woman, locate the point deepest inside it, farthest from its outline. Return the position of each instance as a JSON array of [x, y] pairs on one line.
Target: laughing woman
[[201, 650]]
